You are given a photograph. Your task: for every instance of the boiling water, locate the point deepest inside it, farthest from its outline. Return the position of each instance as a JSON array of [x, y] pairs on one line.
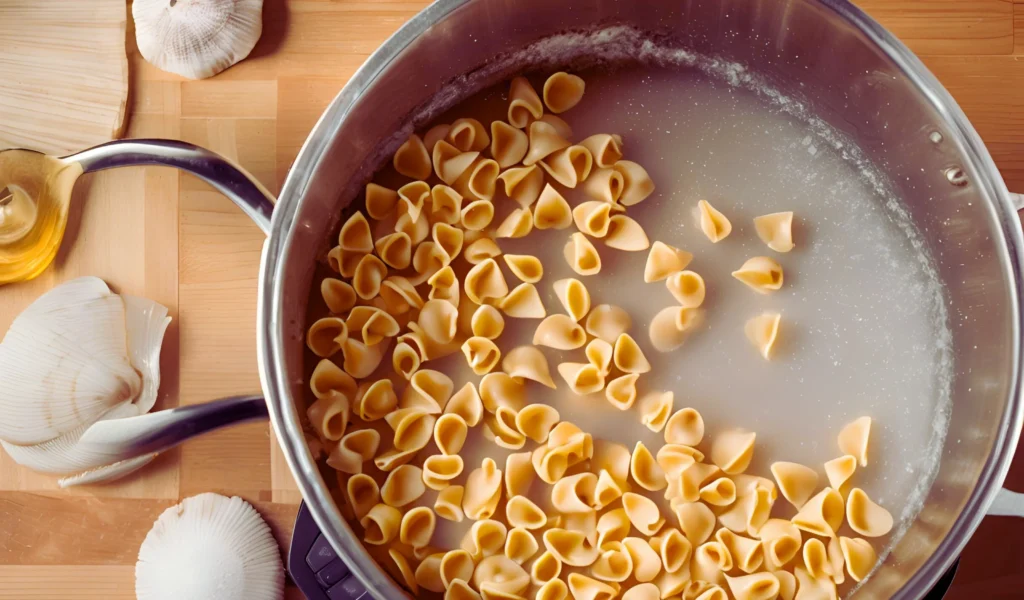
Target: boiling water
[[863, 330]]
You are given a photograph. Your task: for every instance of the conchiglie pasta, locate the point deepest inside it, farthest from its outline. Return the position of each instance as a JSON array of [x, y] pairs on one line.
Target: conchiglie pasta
[[376, 400], [671, 326], [685, 426], [508, 144], [687, 288], [480, 250], [710, 561], [518, 223], [563, 91], [614, 564], [402, 486], [521, 512], [559, 124], [570, 547], [411, 159], [405, 360], [450, 163], [581, 255], [394, 458], [499, 573], [732, 450], [713, 223], [636, 183], [372, 324], [759, 586], [613, 458], [477, 215], [440, 470], [574, 297], [865, 516], [523, 302], [362, 494], [439, 320], [413, 427], [445, 205], [780, 541], [696, 521], [381, 524], [607, 490], [606, 149], [645, 470], [655, 409], [545, 140], [643, 513], [560, 332], [435, 134], [428, 572], [523, 184], [355, 235], [520, 545], [450, 432], [428, 390], [328, 379], [380, 201], [606, 186], [720, 492], [859, 556], [501, 428], [444, 285], [628, 356], [621, 391], [574, 494], [762, 332], [466, 403], [479, 181], [761, 274], [416, 229], [646, 562], [519, 474], [501, 389], [482, 354], [776, 230], [428, 259], [524, 105], [555, 589], [626, 234], [675, 458], [796, 482], [527, 268], [483, 490], [460, 590], [343, 261], [593, 218], [417, 526], [675, 550], [395, 249], [448, 238], [536, 421], [326, 336], [400, 295], [448, 504], [485, 538], [854, 438], [822, 514], [551, 210], [839, 470], [485, 281], [569, 166], [815, 559], [468, 135], [338, 295], [355, 448], [413, 198], [369, 274], [582, 378], [545, 569]]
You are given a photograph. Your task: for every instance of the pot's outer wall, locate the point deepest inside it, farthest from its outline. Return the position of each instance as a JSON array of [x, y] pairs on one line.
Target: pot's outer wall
[[806, 49]]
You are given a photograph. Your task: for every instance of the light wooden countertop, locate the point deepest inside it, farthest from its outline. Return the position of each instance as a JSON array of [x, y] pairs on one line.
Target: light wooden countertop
[[157, 233]]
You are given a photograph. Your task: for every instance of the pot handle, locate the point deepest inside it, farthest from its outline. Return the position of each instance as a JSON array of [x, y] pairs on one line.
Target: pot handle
[[1007, 503], [223, 174]]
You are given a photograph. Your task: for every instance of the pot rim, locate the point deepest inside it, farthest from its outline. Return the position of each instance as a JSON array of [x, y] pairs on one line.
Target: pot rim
[[271, 339]]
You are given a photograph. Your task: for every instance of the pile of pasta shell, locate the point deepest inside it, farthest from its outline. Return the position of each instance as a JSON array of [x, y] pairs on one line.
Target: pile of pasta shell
[[564, 514]]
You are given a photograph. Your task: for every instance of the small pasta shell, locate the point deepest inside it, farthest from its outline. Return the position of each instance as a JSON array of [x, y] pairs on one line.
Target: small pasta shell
[[671, 326], [405, 360], [413, 427], [369, 274], [338, 295], [621, 391], [372, 323], [761, 274], [733, 449], [570, 547], [498, 573], [380, 201], [606, 149], [448, 504], [524, 104], [448, 238], [377, 400], [574, 297], [776, 230], [428, 390], [676, 458], [551, 210], [519, 474], [501, 389], [483, 490], [460, 590], [675, 550], [481, 353], [342, 261], [815, 559], [545, 570], [646, 562], [518, 223], [480, 250], [581, 255], [468, 135], [859, 556], [485, 281], [456, 564], [745, 553], [479, 181], [411, 159], [865, 516], [599, 353], [655, 409], [559, 124], [563, 91], [612, 527], [416, 229], [586, 588], [449, 162], [329, 416], [413, 198], [485, 538], [643, 513], [544, 141], [355, 235], [520, 545], [685, 426], [569, 166], [607, 490], [607, 322], [606, 186], [521, 512], [362, 494], [501, 429], [636, 183], [417, 526], [400, 295], [696, 521], [466, 404], [796, 482], [582, 378], [445, 205], [574, 494], [626, 234], [593, 218], [664, 260], [428, 259], [325, 337], [753, 587], [687, 288], [523, 302], [355, 448], [560, 332], [644, 470], [477, 215], [523, 184], [527, 362], [450, 432], [613, 458], [536, 420], [854, 438], [822, 514], [395, 250], [780, 541], [487, 322], [439, 470], [508, 144], [360, 359], [811, 587], [444, 285], [839, 470], [439, 319], [435, 134], [714, 224], [527, 268], [628, 356], [381, 524], [720, 492], [428, 572]]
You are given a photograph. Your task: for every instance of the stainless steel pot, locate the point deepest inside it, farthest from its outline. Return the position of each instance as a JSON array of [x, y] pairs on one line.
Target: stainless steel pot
[[826, 53]]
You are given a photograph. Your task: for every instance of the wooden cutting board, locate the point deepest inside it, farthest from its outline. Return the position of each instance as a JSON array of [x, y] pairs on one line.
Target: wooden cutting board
[[161, 234], [63, 74]]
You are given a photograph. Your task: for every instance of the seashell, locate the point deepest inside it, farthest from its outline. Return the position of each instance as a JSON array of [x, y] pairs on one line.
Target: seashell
[[196, 38], [77, 356], [209, 546]]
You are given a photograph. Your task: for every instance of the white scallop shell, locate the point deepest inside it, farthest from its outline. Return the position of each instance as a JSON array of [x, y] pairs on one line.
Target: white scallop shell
[[209, 547], [76, 356], [196, 38]]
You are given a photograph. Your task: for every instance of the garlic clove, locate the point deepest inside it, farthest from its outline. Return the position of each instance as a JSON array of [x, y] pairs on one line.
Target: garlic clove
[[210, 546], [196, 38]]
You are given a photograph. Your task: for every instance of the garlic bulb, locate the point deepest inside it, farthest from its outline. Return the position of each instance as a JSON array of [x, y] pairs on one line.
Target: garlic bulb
[[209, 546], [196, 38], [78, 355]]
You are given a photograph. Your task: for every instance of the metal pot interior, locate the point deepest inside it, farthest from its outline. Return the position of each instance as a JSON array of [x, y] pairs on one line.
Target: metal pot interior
[[826, 56]]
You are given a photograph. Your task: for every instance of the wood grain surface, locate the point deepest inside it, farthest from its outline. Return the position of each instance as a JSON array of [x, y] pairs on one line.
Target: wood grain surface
[[157, 233]]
